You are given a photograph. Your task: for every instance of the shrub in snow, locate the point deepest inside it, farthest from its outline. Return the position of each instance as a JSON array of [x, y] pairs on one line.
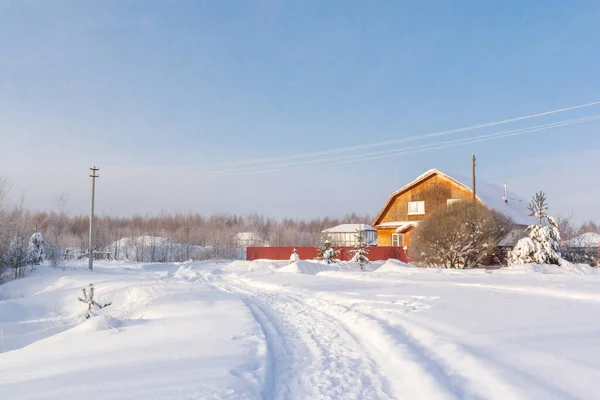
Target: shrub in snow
[[294, 257], [360, 250], [89, 301], [588, 255], [326, 253], [35, 249], [463, 235]]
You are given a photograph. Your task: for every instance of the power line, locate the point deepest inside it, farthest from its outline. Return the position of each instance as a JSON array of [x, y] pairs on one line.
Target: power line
[[402, 151], [407, 139], [222, 168]]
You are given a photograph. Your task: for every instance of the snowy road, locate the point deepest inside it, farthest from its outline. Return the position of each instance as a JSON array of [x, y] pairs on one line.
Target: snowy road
[[311, 354], [323, 349]]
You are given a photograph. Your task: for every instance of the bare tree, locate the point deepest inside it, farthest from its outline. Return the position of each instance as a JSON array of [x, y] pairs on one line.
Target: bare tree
[[59, 226]]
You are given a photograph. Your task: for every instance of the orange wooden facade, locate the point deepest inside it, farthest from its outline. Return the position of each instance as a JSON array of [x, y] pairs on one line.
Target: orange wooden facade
[[434, 189]]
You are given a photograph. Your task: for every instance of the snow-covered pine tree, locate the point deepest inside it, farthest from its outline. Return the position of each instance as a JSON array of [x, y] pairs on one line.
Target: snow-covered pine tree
[[360, 250], [294, 257], [325, 252], [542, 245], [35, 249]]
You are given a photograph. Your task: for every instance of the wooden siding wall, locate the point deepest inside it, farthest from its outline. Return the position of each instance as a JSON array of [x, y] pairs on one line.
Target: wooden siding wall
[[434, 191], [384, 236]]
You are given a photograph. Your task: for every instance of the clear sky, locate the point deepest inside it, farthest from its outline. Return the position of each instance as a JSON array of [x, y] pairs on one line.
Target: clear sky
[[157, 92]]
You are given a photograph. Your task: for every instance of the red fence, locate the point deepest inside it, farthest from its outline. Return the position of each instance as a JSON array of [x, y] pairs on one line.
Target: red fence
[[309, 253]]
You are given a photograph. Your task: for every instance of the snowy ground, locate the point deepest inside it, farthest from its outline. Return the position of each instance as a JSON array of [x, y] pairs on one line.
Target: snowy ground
[[269, 330]]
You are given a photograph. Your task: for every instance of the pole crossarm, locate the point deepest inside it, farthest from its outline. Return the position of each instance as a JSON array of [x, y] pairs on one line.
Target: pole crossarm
[[94, 173]]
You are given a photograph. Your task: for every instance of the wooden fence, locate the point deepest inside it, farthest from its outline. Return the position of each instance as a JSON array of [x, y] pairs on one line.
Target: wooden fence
[[309, 253]]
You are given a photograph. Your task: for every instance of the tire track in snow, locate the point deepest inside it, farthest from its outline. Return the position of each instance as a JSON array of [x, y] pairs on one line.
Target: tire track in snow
[[443, 342], [311, 355], [465, 373], [415, 355], [410, 374]]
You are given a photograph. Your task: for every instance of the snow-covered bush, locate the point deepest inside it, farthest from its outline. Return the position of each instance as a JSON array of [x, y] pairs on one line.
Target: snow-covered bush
[[463, 235], [326, 253], [542, 245], [294, 257], [360, 250], [35, 249]]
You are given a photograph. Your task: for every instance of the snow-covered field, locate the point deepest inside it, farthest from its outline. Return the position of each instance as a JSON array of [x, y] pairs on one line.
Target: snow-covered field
[[269, 330]]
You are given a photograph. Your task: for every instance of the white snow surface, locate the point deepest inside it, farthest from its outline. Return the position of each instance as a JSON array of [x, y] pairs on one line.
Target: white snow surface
[[273, 330]]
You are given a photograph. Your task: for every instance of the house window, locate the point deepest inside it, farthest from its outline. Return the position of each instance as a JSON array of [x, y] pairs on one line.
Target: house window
[[416, 207], [450, 202], [397, 239]]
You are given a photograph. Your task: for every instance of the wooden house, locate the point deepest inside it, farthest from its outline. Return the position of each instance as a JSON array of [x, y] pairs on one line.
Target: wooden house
[[433, 191]]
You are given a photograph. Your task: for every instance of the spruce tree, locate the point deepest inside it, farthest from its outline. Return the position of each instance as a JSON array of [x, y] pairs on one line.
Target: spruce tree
[[360, 250], [542, 245]]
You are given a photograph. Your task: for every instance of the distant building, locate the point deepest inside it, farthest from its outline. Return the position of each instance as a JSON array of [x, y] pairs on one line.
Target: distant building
[[347, 234], [434, 191], [249, 239], [589, 240]]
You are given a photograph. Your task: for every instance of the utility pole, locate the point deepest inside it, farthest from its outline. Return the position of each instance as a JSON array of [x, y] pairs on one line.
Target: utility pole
[[473, 184], [93, 175]]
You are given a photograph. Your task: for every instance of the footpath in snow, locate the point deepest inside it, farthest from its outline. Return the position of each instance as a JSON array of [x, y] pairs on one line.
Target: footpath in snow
[[273, 330]]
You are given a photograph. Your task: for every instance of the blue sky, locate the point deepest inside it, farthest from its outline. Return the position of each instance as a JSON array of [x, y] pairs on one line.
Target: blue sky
[[142, 88]]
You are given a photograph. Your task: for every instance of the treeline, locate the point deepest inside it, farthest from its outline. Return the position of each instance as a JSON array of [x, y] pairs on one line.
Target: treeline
[[164, 237]]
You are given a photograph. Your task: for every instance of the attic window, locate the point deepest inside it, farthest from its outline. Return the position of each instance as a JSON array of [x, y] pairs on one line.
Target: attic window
[[416, 207]]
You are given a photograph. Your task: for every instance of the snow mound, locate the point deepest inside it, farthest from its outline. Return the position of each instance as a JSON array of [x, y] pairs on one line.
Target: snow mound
[[254, 266], [566, 268], [99, 323], [186, 273], [313, 268], [397, 266]]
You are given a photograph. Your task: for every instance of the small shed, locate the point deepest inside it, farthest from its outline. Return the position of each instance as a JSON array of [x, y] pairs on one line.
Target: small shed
[[347, 234]]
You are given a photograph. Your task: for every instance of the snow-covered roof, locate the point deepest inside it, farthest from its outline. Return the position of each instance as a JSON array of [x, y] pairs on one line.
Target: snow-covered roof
[[512, 237], [346, 228], [394, 224], [589, 239], [404, 227], [490, 194]]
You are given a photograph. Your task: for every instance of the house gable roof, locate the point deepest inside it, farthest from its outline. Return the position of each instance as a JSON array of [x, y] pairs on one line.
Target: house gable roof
[[348, 228], [491, 195]]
